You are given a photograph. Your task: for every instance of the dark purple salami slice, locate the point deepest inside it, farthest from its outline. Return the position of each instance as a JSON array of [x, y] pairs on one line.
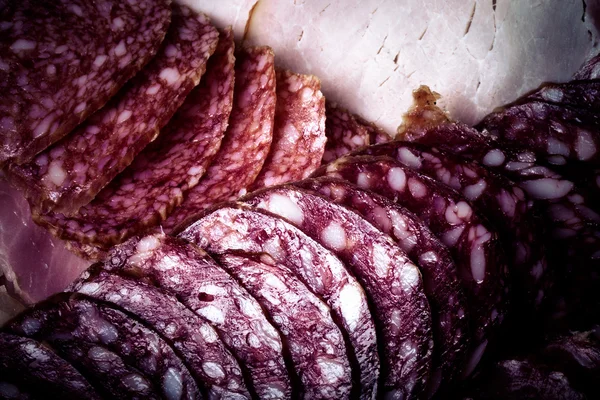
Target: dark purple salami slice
[[73, 323], [472, 241], [247, 140], [70, 173], [298, 131], [157, 180], [31, 366], [195, 341], [440, 280], [61, 61], [209, 291], [575, 94], [503, 203], [238, 227], [392, 282], [589, 70], [12, 391], [314, 341]]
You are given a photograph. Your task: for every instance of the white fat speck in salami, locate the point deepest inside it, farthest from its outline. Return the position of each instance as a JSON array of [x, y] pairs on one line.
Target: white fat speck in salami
[[123, 127]]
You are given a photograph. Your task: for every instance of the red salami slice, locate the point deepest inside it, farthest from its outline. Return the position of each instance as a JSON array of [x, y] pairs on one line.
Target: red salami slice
[[472, 241], [157, 180], [70, 173], [204, 287], [392, 282], [503, 202], [238, 227], [247, 140], [315, 343], [194, 340], [75, 324], [31, 366], [576, 94], [440, 280], [298, 132], [61, 61]]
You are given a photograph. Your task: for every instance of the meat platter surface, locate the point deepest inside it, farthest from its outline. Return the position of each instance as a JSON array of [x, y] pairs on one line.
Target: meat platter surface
[[299, 199]]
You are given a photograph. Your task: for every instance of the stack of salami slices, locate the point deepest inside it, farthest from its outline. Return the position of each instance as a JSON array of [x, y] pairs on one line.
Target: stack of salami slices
[[253, 242]]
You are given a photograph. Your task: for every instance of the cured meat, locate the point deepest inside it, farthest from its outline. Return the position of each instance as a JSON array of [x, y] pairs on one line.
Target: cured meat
[[71, 172], [347, 132], [195, 341], [440, 280], [209, 291], [36, 368], [33, 264], [392, 282], [63, 60], [315, 343], [157, 180], [247, 140], [576, 94], [298, 131], [503, 203], [472, 242], [589, 70], [86, 333], [237, 227]]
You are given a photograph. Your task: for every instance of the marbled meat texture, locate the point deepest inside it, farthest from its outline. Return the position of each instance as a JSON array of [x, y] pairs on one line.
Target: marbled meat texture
[[496, 197], [63, 60], [194, 340], [392, 282], [197, 281], [347, 132], [247, 139], [298, 131], [71, 172], [76, 324], [440, 277], [589, 70], [28, 364], [147, 191], [315, 343], [474, 244], [238, 227]]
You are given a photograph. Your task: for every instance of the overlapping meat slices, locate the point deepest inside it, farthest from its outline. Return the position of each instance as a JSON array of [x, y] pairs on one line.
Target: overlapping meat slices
[[63, 60], [298, 132], [71, 172], [247, 139], [157, 180]]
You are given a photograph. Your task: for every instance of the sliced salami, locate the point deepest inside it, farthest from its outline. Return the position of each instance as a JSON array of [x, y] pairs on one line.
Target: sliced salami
[[210, 292], [29, 365], [576, 94], [503, 203], [75, 324], [61, 61], [298, 132], [238, 227], [589, 70], [71, 172], [315, 343], [194, 340], [247, 140], [440, 278], [157, 180], [473, 242]]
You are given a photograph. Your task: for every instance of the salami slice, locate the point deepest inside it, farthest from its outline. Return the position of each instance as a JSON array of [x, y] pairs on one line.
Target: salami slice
[[247, 140], [61, 61], [473, 242], [575, 94], [504, 204], [209, 291], [590, 69], [298, 132], [70, 173], [96, 334], [315, 343], [31, 366], [157, 180], [440, 278], [194, 340], [238, 227], [392, 282]]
